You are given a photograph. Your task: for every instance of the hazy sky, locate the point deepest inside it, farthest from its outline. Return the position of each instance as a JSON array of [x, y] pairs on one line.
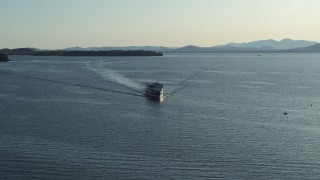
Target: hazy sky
[[87, 23]]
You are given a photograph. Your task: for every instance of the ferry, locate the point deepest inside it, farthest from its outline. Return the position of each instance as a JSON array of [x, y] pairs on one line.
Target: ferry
[[154, 90]]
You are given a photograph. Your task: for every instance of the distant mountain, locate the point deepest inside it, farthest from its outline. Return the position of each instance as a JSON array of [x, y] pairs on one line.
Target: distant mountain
[[285, 45], [261, 45], [310, 49], [255, 46], [216, 49], [274, 45], [190, 48]]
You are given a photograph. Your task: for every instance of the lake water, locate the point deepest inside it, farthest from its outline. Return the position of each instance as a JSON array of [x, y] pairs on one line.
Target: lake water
[[225, 116]]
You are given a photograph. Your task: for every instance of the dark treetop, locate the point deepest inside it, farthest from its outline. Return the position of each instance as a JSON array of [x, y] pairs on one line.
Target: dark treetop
[[4, 57], [38, 52], [98, 53]]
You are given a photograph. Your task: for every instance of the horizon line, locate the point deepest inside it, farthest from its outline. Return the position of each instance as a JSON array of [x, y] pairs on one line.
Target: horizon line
[[164, 46]]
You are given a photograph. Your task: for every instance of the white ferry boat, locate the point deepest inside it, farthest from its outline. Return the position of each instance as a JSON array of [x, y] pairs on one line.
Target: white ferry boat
[[154, 90]]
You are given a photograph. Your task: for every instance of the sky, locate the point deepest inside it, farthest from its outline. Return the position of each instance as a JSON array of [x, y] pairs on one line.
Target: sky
[[54, 24]]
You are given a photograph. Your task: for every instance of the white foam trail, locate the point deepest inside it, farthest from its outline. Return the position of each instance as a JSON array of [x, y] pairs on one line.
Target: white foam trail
[[109, 74]]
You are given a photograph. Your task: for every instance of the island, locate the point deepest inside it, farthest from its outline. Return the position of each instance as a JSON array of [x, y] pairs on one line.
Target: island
[[18, 51], [98, 53], [39, 52], [4, 57]]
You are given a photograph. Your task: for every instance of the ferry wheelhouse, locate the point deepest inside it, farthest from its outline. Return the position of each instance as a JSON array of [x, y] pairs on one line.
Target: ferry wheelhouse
[[154, 90]]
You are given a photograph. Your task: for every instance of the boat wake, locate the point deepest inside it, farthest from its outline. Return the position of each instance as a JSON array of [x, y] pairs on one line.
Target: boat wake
[[71, 84], [108, 74], [197, 74], [184, 83]]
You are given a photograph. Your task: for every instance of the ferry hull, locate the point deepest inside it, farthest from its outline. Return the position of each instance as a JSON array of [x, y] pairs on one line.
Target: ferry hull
[[154, 91], [152, 96]]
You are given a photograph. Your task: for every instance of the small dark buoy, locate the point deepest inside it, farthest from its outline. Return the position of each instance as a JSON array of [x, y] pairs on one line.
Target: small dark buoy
[[285, 113]]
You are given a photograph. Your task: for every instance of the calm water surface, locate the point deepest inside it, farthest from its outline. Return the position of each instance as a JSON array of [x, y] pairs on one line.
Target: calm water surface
[[222, 118]]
